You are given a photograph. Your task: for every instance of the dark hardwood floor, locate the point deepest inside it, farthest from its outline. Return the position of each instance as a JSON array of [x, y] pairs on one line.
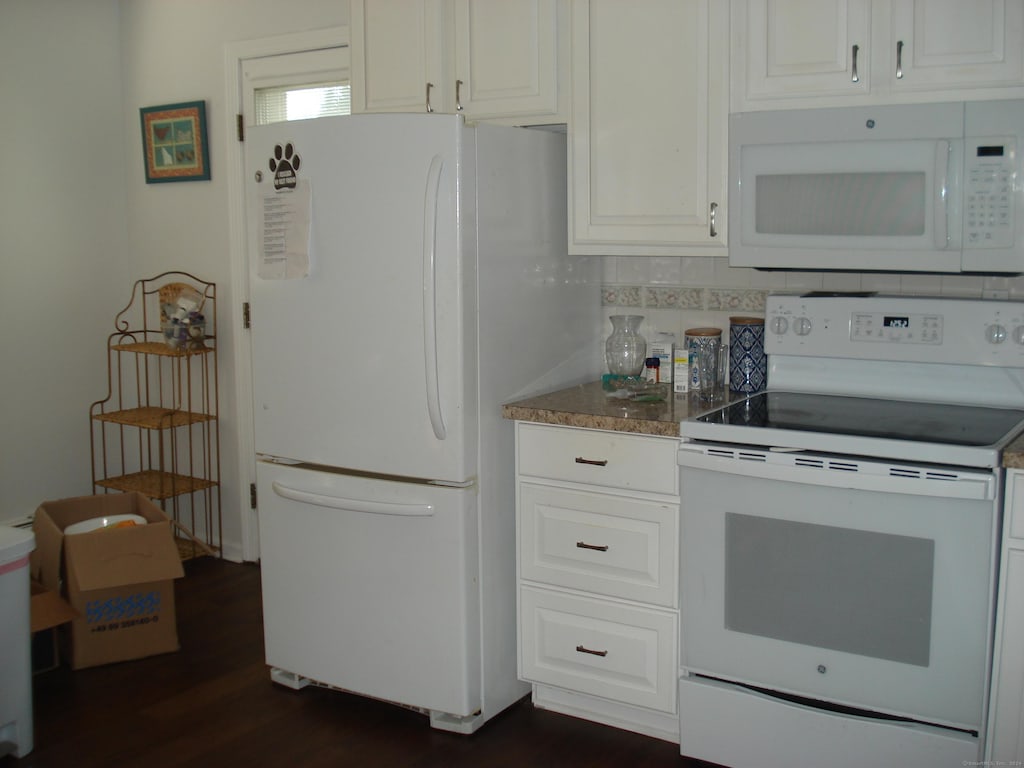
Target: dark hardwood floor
[[212, 704]]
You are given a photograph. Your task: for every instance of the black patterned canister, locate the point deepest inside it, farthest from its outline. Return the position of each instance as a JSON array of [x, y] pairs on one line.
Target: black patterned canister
[[748, 364]]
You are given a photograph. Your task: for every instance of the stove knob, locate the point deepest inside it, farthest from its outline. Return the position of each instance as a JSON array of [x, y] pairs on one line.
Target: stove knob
[[779, 325], [1018, 334], [995, 333], [802, 326]]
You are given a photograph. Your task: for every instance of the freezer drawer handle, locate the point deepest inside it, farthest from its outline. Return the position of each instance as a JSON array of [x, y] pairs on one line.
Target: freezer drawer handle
[[582, 649], [598, 547], [353, 505], [592, 462]]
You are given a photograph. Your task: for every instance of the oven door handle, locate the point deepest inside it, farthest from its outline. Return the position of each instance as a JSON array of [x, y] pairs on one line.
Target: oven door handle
[[839, 472]]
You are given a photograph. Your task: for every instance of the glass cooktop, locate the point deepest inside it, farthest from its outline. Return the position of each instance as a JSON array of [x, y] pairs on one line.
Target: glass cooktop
[[869, 417], [934, 432]]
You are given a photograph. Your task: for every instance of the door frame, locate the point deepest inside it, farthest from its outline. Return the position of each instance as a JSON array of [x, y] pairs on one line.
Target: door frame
[[235, 54]]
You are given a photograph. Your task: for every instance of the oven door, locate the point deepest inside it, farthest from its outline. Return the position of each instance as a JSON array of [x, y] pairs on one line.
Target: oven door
[[853, 581]]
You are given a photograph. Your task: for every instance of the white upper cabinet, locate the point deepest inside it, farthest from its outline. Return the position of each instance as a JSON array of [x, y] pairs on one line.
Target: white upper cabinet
[[940, 44], [802, 47], [838, 52], [487, 59], [647, 137]]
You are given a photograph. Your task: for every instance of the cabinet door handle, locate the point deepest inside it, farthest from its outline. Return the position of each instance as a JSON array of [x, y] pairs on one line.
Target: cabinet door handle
[[582, 649], [429, 108], [713, 227], [855, 78], [593, 462], [598, 547], [458, 96], [899, 59]]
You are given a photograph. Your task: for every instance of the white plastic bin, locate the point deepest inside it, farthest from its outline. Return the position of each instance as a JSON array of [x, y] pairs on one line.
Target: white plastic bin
[[15, 642]]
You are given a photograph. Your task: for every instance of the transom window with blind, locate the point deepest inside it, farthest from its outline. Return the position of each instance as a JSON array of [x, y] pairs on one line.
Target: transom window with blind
[[297, 86]]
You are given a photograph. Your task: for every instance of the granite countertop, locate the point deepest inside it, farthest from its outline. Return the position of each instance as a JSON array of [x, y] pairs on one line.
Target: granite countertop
[[589, 406], [1013, 454]]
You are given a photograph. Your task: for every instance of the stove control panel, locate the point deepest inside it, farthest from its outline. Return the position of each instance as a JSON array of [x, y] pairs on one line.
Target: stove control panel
[[897, 328]]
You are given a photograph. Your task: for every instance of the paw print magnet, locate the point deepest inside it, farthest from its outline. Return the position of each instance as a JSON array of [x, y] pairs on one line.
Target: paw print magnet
[[285, 165]]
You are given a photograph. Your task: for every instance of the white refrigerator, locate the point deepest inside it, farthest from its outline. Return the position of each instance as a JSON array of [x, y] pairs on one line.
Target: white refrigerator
[[409, 275]]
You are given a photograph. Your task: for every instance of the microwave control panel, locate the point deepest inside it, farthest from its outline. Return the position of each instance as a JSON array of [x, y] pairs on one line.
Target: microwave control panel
[[989, 178]]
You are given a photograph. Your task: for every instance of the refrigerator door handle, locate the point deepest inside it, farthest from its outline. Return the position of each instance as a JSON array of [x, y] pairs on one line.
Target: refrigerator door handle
[[430, 296], [353, 505]]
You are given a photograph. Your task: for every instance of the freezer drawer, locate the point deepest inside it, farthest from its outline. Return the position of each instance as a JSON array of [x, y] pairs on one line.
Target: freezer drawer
[[370, 585]]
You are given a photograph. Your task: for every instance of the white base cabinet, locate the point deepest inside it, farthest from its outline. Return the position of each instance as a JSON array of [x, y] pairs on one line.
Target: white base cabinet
[[1005, 744], [597, 538]]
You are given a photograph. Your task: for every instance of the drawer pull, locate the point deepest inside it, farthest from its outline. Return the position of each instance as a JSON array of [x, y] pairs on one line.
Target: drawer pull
[[593, 462], [582, 649], [598, 547]]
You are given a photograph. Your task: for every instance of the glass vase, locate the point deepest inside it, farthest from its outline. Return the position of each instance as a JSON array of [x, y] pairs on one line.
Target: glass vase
[[625, 348]]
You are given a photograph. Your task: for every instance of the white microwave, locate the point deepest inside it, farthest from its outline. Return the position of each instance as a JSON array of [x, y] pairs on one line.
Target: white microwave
[[903, 188]]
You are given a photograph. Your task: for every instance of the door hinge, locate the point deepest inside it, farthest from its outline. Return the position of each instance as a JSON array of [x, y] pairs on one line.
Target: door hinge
[[240, 124], [252, 495], [246, 316]]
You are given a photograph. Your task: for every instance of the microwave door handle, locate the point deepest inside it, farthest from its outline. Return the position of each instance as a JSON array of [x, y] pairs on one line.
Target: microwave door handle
[[941, 227]]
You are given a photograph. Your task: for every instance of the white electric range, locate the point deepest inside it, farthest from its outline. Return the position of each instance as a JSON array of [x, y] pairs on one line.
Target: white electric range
[[839, 536]]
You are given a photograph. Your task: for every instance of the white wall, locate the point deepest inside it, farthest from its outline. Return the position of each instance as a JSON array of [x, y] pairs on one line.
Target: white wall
[[78, 223], [174, 51], [62, 239]]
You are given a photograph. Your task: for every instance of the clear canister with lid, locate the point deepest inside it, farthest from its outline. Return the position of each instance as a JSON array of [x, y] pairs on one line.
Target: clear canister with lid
[[698, 341]]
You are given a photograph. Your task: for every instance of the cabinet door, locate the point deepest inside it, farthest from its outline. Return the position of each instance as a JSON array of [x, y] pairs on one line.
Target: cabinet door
[[648, 140], [397, 55], [788, 48], [507, 58], [1006, 719], [941, 44]]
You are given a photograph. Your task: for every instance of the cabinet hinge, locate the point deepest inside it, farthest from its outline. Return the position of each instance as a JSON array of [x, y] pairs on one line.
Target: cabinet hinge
[[246, 317], [252, 495], [240, 124]]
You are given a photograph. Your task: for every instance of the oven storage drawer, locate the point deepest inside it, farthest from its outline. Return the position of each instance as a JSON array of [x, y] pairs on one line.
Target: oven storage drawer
[[601, 543], [595, 457], [615, 651], [732, 725]]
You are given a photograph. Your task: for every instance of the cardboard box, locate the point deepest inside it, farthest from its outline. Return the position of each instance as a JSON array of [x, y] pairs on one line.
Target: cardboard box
[[48, 611], [120, 580]]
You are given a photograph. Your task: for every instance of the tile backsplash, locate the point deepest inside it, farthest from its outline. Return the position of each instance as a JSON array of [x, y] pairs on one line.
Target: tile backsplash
[[677, 293]]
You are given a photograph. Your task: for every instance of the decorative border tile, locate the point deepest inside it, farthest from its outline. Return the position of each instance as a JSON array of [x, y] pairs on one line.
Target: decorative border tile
[[620, 296], [736, 299], [683, 297], [674, 297]]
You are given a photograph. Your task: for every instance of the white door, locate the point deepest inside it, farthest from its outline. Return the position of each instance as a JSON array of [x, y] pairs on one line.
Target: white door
[[357, 359]]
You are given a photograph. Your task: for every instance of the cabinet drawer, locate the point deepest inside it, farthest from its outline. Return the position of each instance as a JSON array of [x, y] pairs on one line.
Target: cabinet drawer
[[611, 459], [612, 545], [1015, 503], [619, 652]]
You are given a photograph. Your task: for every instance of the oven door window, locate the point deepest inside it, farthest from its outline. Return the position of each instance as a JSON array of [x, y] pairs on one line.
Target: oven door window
[[856, 591]]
